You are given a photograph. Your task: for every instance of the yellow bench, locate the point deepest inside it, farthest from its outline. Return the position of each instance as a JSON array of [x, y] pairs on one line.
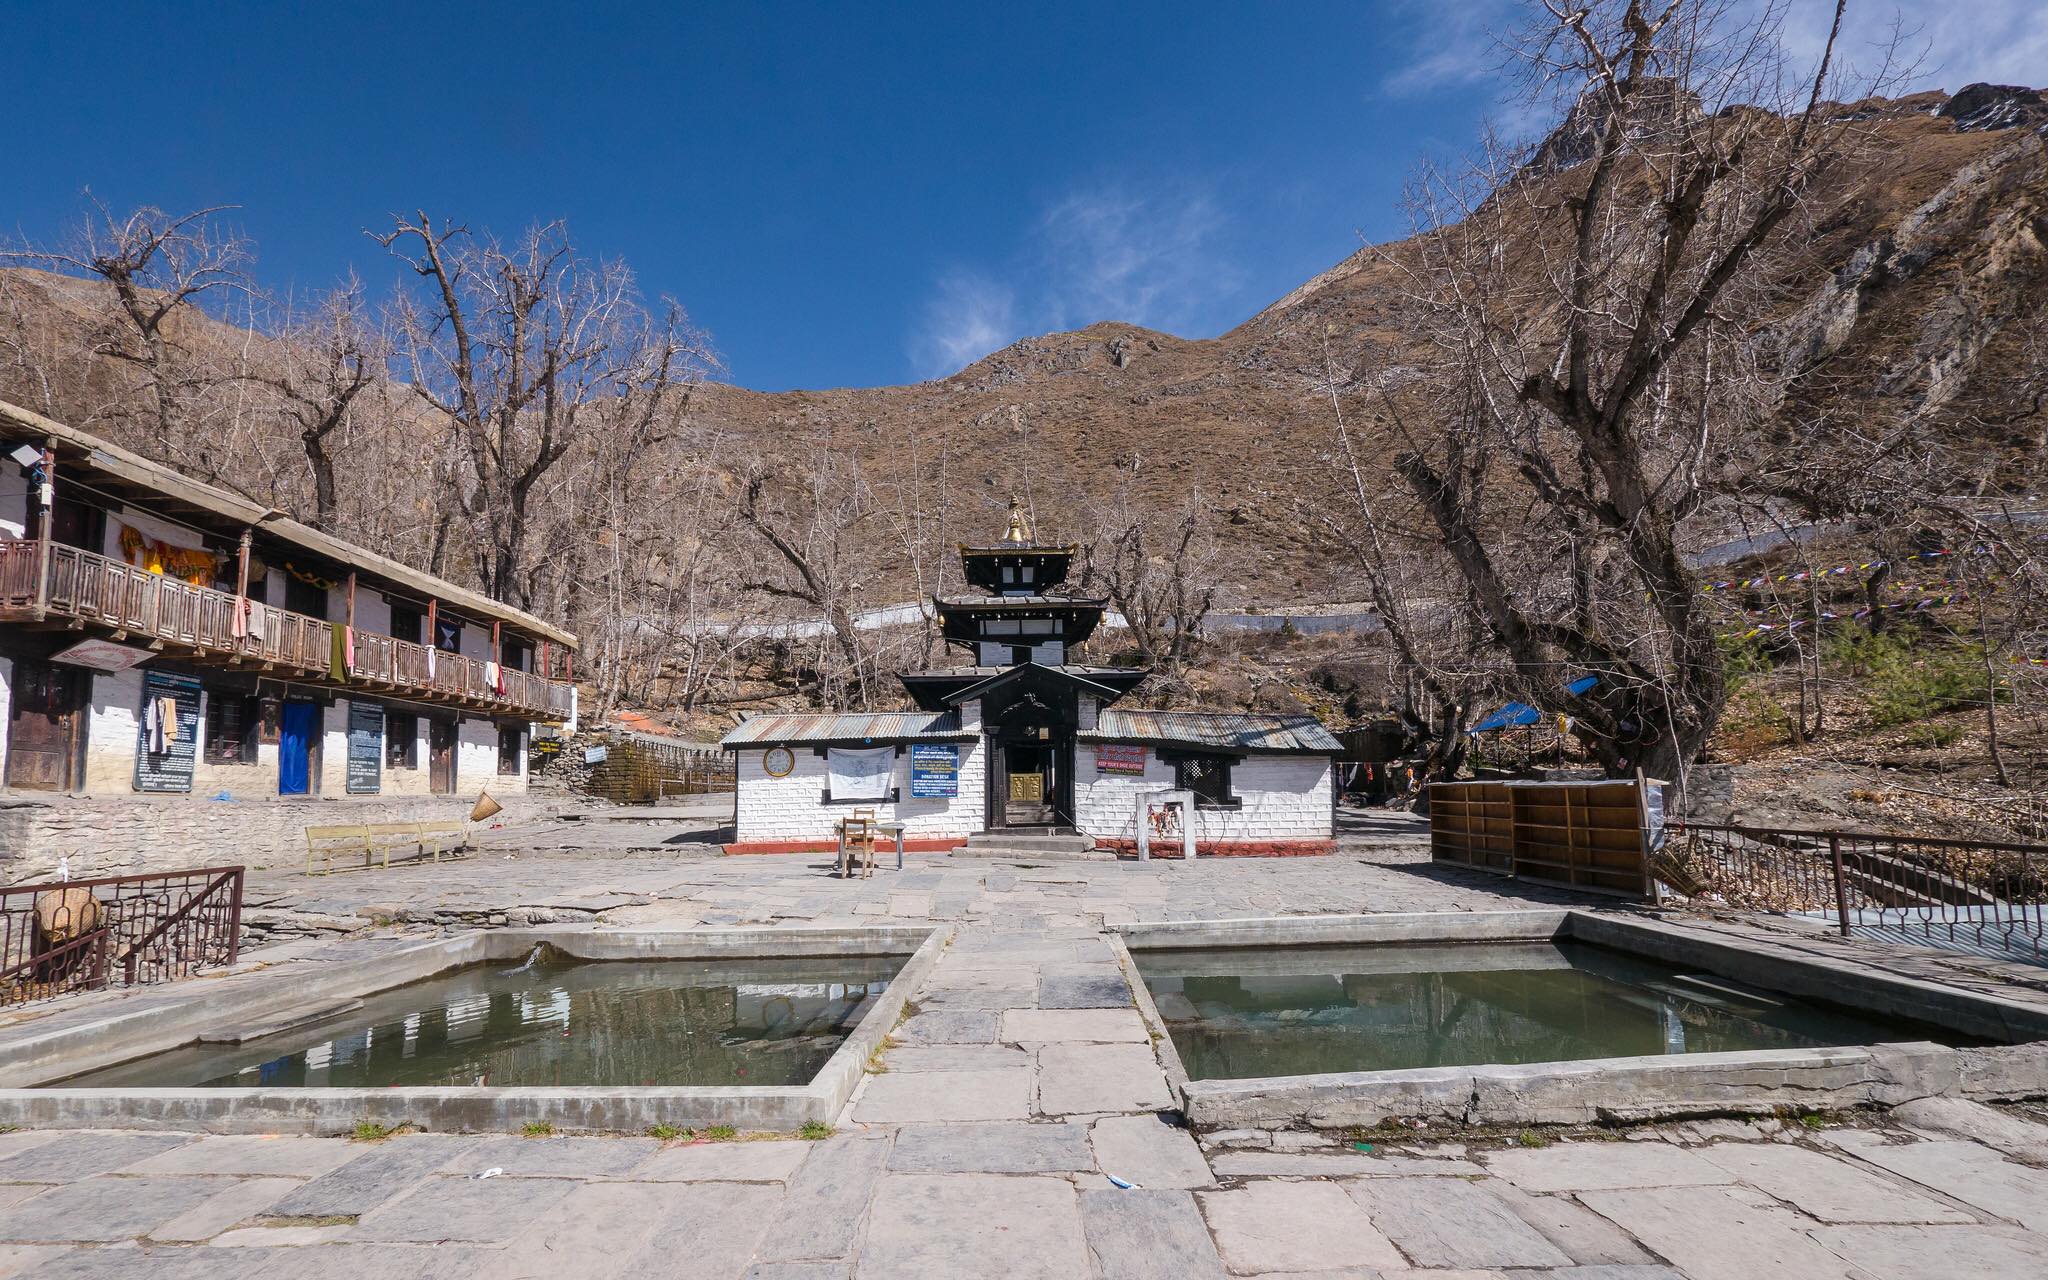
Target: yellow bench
[[329, 847]]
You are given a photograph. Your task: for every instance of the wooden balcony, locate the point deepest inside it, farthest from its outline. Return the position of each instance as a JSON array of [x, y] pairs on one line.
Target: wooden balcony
[[171, 615]]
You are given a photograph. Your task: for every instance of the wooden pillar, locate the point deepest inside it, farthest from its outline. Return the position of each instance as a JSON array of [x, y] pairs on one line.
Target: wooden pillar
[[240, 630], [433, 640], [351, 600], [547, 667], [46, 503]]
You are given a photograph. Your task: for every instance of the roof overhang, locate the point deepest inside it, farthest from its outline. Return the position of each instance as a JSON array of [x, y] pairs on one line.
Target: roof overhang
[[132, 477]]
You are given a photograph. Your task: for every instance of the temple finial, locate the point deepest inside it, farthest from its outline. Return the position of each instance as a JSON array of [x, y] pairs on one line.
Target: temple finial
[[1018, 533]]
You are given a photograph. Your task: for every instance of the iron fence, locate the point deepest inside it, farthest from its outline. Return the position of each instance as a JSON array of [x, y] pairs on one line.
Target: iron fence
[[1970, 894], [84, 935]]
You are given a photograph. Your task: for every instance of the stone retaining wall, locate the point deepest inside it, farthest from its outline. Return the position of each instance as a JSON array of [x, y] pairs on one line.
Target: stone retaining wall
[[119, 835]]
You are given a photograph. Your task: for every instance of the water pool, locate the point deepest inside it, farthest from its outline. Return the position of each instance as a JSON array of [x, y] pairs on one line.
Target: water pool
[[554, 1023], [1253, 1012]]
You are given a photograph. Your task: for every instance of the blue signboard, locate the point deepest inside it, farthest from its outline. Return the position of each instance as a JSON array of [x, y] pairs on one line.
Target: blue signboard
[[934, 770]]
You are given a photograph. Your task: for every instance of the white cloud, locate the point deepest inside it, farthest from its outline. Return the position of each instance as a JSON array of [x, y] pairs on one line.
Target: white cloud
[[1949, 44], [1146, 260], [967, 316], [1106, 252], [1451, 44], [1945, 43]]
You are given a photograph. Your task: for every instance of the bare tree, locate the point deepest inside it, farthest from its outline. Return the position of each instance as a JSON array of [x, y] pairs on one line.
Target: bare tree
[[325, 363], [1593, 312], [822, 552], [1158, 572], [531, 352], [158, 268], [1445, 665]]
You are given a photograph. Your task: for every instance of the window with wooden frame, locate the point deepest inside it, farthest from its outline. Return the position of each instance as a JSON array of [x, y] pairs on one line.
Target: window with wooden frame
[[1208, 776], [401, 740], [511, 748], [233, 722]]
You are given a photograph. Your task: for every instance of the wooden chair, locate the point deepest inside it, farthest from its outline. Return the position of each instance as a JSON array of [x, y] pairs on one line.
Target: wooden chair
[[860, 839]]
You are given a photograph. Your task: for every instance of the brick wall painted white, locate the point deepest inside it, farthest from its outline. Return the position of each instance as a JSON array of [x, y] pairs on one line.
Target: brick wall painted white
[[1286, 797], [791, 808], [112, 724], [476, 754]]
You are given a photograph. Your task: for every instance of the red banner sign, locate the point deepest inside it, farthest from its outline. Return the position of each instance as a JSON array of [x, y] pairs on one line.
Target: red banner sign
[[1119, 758]]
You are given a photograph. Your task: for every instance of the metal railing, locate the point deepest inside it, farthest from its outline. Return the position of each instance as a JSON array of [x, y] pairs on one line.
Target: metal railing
[[1975, 894], [84, 935], [131, 600]]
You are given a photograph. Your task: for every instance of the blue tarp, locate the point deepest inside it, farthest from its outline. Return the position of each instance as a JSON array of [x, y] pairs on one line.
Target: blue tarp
[[1521, 713]]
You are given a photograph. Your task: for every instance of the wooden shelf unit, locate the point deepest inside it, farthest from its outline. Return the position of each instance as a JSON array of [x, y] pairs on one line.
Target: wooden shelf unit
[[1583, 835]]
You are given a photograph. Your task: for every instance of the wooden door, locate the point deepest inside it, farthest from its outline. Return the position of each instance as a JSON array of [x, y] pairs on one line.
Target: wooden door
[[43, 721], [441, 757], [72, 523]]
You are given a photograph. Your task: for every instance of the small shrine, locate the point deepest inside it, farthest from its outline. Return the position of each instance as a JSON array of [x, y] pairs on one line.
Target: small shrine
[[1018, 747]]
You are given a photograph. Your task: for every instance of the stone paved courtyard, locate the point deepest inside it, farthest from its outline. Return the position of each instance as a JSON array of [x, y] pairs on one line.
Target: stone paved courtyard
[[985, 1144]]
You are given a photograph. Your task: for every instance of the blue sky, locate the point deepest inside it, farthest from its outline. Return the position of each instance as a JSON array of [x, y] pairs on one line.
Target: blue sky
[[839, 194]]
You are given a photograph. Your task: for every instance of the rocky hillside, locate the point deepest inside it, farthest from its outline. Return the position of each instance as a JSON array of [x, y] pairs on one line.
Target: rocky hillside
[[1925, 301], [1928, 297]]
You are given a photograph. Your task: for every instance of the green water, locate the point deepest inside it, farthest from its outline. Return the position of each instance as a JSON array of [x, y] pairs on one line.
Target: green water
[[1240, 1013], [671, 1022]]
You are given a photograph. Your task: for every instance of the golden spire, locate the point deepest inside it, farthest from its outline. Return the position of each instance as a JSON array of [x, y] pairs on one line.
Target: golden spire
[[1018, 532]]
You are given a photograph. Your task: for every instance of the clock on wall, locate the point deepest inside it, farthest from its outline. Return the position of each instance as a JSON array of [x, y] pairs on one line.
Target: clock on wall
[[778, 762]]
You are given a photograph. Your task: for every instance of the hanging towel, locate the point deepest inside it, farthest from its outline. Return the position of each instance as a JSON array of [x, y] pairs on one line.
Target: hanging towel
[[259, 622], [241, 627], [492, 678], [149, 725]]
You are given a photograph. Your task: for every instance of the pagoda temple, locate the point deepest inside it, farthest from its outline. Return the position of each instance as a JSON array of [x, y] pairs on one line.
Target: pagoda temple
[[1019, 748]]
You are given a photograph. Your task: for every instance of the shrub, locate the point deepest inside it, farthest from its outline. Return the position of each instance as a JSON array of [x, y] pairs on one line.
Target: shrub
[[1909, 681]]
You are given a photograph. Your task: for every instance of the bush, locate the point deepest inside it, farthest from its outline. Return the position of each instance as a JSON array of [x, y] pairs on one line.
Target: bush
[[1910, 681], [1744, 658]]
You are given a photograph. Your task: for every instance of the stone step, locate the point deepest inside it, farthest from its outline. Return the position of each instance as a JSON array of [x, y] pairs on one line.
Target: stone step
[[1044, 848], [1048, 842], [1035, 855]]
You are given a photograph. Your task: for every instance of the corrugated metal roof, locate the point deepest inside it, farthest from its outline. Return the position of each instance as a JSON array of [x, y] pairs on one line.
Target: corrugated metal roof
[[829, 726], [1229, 731]]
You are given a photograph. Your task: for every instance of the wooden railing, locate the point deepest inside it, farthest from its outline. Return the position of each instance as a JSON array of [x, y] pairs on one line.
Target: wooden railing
[[124, 598]]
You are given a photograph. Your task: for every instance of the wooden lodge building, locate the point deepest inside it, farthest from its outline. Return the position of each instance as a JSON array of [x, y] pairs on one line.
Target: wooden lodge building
[[1023, 749], [163, 636]]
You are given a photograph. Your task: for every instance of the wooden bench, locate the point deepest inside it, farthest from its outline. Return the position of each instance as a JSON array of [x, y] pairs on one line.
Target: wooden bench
[[336, 848]]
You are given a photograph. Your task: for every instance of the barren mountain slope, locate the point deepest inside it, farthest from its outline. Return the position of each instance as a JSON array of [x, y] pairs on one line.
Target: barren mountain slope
[[1926, 298], [1928, 287]]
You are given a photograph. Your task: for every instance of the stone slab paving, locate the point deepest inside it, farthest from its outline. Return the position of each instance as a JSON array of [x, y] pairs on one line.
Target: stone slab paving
[[1016, 1124]]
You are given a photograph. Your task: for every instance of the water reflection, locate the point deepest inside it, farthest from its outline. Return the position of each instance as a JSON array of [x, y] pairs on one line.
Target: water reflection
[[1242, 1013], [757, 1022]]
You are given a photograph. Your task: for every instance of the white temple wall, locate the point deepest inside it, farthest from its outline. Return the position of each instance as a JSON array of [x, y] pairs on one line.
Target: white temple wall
[[1284, 797], [792, 808]]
